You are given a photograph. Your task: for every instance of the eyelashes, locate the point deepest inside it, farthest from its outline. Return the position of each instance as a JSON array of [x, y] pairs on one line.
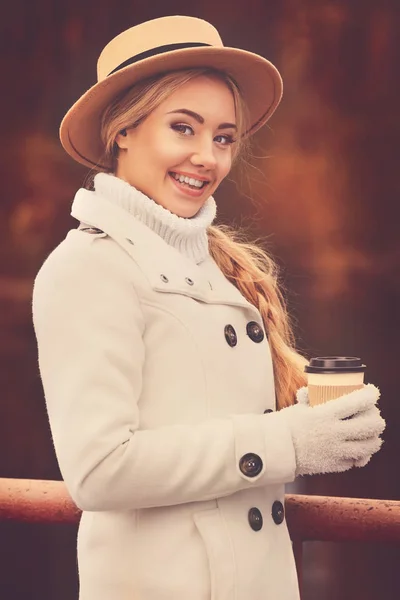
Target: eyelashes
[[229, 138], [181, 127], [184, 129]]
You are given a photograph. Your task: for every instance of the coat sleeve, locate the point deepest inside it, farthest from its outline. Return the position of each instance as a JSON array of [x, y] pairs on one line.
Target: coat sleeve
[[89, 328]]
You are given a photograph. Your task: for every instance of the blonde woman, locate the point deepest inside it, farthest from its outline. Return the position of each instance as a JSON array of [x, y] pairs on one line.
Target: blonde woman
[[165, 350]]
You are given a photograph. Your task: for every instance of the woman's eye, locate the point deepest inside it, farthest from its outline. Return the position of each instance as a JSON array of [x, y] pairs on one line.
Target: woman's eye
[[225, 140], [182, 128]]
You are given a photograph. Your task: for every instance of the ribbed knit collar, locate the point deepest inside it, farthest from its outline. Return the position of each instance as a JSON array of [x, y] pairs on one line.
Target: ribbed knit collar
[[187, 235]]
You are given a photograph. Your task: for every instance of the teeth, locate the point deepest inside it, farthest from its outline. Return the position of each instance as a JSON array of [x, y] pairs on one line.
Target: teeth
[[188, 180]]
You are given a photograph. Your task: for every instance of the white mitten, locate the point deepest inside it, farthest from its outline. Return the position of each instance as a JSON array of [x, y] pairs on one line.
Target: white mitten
[[302, 396], [337, 435]]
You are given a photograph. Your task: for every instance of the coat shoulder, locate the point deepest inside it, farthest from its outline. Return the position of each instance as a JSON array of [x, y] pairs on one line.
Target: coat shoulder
[[83, 255], [73, 254]]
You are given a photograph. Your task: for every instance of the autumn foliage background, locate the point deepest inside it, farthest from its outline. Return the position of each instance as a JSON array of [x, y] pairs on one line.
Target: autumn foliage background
[[325, 187]]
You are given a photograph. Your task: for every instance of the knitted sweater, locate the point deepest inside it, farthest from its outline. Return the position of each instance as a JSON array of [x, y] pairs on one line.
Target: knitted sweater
[[188, 235]]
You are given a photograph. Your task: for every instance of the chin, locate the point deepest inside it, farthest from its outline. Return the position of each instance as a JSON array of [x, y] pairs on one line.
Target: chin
[[185, 214], [191, 211], [185, 209]]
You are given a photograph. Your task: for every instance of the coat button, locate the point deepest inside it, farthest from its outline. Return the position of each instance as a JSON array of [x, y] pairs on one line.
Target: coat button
[[255, 519], [269, 410], [255, 332], [278, 512], [230, 335], [250, 465], [94, 230]]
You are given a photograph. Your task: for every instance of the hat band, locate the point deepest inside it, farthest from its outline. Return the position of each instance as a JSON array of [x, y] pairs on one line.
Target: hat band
[[155, 51]]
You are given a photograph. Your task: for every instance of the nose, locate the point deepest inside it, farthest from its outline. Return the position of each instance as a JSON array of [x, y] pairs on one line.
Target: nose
[[204, 156]]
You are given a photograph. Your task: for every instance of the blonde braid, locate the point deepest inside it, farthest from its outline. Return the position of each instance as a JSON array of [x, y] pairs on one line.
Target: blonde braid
[[255, 274]]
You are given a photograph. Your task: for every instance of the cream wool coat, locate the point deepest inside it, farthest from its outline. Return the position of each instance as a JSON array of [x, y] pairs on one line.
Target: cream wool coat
[[152, 411]]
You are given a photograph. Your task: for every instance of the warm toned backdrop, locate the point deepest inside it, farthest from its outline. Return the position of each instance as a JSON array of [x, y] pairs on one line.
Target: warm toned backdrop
[[326, 186]]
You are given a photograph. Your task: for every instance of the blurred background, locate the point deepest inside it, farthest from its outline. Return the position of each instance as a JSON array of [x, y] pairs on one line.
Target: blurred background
[[324, 184]]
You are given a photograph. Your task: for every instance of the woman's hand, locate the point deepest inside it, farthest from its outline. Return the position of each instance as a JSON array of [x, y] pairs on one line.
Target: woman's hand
[[337, 435]]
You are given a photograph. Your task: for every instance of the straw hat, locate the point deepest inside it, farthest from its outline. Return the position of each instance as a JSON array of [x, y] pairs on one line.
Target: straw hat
[[155, 47]]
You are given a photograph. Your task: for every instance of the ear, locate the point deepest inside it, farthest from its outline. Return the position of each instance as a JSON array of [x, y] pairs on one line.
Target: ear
[[122, 139]]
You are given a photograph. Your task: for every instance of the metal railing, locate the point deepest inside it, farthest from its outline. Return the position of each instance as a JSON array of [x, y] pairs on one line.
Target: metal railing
[[309, 518]]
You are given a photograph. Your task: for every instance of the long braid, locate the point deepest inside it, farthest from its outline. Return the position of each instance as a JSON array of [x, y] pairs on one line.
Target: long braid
[[255, 274]]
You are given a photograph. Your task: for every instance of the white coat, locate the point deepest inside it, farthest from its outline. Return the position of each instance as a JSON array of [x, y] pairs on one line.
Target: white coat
[[156, 373]]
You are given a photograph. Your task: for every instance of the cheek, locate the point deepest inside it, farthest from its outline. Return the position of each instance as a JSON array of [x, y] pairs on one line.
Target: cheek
[[169, 154], [151, 153], [225, 164]]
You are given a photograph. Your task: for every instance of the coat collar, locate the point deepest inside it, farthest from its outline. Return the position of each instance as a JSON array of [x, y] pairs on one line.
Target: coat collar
[[187, 235], [166, 269]]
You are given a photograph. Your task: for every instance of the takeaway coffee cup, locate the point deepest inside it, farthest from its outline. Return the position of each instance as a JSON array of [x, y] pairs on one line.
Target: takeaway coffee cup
[[332, 376]]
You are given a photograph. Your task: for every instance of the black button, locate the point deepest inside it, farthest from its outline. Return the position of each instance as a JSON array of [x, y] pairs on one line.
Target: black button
[[278, 512], [230, 335], [269, 410], [251, 465], [255, 332], [255, 519]]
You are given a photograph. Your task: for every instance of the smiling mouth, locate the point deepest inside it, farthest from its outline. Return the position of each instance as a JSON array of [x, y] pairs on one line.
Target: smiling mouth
[[189, 182]]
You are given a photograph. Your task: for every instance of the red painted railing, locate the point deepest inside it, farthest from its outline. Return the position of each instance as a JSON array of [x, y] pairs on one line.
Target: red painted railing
[[309, 518]]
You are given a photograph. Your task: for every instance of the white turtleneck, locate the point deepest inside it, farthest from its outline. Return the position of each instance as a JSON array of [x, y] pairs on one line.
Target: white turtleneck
[[187, 235]]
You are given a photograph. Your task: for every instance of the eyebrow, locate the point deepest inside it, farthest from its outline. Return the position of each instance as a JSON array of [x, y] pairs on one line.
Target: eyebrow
[[199, 118]]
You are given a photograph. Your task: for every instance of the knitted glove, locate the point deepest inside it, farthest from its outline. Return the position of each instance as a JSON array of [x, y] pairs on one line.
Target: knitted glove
[[302, 396], [337, 435]]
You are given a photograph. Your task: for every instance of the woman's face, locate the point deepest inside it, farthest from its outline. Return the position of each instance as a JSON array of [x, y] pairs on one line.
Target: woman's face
[[182, 151]]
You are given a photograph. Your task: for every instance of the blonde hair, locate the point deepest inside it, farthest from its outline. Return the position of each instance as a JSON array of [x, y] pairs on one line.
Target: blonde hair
[[244, 264]]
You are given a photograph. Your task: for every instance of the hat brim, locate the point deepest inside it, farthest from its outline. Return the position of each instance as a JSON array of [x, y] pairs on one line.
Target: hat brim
[[257, 78]]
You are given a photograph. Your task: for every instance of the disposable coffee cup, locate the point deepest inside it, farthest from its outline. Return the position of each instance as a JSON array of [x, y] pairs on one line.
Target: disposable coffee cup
[[332, 376]]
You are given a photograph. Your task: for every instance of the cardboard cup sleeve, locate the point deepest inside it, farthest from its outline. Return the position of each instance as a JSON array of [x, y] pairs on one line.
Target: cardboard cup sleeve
[[324, 387]]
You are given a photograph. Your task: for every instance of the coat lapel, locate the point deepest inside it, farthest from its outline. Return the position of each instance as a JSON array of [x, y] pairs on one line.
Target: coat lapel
[[167, 270]]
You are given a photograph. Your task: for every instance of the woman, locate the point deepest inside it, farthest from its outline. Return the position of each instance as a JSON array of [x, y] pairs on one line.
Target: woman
[[164, 346]]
